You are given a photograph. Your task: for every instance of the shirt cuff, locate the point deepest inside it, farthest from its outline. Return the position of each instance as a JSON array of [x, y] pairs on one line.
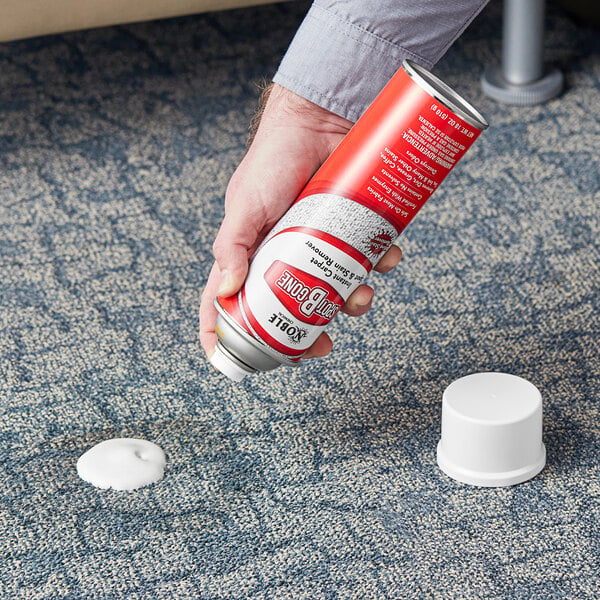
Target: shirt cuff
[[353, 64]]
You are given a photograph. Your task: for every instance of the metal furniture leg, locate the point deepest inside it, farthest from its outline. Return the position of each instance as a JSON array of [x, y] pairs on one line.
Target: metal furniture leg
[[522, 77]]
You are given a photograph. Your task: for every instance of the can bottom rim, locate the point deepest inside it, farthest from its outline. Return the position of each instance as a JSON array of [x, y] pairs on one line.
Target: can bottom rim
[[227, 364]]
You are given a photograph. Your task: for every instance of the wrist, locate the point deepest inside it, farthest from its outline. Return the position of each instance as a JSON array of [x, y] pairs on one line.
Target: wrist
[[280, 101]]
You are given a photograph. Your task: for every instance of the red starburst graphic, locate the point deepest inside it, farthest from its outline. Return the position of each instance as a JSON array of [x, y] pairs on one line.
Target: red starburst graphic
[[380, 242]]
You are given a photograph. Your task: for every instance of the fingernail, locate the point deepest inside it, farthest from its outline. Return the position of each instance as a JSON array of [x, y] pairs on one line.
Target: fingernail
[[363, 301], [226, 285]]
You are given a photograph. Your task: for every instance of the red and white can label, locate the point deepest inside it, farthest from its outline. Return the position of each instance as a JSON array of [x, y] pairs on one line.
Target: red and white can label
[[305, 296], [348, 215], [397, 154], [296, 284]]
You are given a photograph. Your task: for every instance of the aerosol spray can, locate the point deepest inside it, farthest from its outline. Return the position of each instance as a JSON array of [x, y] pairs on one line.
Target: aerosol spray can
[[347, 216]]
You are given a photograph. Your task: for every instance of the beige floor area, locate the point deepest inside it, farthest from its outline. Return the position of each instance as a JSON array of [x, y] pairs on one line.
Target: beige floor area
[[29, 18]]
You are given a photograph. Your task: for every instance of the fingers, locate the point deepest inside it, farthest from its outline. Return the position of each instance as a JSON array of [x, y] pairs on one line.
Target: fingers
[[389, 260], [321, 347], [359, 301]]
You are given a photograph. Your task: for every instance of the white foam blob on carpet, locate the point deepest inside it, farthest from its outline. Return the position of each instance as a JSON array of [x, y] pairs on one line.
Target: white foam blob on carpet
[[122, 464]]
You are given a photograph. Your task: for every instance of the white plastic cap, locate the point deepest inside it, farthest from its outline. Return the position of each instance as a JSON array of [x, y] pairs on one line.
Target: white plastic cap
[[491, 430], [228, 366]]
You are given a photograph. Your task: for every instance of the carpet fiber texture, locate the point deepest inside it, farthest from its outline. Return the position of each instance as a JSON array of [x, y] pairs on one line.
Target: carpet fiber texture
[[320, 482]]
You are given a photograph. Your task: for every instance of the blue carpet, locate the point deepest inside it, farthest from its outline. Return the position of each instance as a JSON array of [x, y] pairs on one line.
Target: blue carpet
[[116, 146]]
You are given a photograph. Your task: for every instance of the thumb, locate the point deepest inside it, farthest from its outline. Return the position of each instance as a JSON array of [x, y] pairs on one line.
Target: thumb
[[233, 266], [236, 238]]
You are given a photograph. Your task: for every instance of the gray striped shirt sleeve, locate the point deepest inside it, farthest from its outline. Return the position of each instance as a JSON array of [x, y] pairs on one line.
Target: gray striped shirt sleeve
[[345, 51]]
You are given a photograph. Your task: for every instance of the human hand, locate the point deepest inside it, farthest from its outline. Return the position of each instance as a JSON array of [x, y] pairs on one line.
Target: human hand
[[294, 137]]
